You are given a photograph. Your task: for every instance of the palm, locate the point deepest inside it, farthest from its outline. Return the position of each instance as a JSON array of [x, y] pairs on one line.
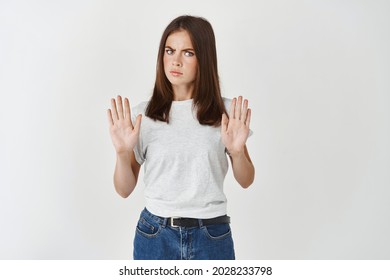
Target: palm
[[235, 130], [235, 136], [124, 135]]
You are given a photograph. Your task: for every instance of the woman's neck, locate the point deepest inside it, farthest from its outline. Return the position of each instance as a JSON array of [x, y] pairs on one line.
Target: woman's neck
[[181, 93]]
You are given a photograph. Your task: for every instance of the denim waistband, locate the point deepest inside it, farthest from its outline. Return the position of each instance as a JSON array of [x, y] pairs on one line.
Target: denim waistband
[[166, 221], [158, 219]]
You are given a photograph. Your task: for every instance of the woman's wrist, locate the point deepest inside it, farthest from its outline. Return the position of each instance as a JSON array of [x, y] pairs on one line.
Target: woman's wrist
[[123, 154], [236, 153]]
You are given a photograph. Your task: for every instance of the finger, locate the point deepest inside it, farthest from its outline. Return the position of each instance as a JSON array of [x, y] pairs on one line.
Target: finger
[[248, 118], [244, 110], [128, 112], [120, 107], [109, 117], [224, 122], [114, 111], [232, 108], [238, 108], [137, 123]]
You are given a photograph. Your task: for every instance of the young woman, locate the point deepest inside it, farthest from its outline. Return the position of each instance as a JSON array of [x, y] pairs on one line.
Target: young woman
[[183, 142]]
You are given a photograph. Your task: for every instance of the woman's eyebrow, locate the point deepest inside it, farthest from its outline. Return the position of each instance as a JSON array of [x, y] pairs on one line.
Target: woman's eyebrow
[[186, 49]]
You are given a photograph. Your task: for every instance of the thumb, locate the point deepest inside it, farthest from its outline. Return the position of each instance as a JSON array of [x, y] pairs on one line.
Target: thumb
[[137, 123], [224, 122]]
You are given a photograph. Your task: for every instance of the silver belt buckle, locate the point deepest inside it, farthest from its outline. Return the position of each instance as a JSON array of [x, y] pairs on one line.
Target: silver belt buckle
[[172, 218]]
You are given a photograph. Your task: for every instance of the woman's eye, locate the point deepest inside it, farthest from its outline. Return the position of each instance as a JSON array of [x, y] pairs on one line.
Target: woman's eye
[[169, 51], [189, 54]]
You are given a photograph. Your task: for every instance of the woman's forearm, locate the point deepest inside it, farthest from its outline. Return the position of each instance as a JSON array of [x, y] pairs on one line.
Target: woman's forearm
[[125, 178], [243, 169]]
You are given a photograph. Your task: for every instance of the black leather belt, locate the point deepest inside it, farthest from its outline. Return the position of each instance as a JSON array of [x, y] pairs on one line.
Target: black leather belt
[[191, 222]]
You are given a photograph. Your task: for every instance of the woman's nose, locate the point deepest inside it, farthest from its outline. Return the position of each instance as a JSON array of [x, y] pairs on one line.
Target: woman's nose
[[176, 61]]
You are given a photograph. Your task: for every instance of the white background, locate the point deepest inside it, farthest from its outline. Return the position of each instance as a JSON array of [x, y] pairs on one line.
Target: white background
[[316, 74]]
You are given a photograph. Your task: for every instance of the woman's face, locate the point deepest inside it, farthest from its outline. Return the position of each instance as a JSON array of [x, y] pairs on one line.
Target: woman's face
[[180, 63]]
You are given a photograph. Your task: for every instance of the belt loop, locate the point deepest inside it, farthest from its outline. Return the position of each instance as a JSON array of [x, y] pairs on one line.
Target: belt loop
[[200, 223], [164, 222]]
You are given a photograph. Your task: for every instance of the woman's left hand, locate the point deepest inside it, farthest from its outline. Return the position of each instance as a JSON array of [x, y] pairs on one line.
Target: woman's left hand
[[235, 129]]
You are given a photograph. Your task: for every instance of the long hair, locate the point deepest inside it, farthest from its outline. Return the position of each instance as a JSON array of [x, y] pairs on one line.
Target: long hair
[[207, 97]]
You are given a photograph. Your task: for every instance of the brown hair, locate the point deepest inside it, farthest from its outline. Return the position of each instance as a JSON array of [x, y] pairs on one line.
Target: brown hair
[[207, 93]]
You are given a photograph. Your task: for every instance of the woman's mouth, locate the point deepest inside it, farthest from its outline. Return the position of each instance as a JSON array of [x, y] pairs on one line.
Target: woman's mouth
[[175, 73]]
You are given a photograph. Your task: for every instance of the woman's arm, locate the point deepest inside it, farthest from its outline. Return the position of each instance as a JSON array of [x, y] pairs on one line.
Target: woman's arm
[[126, 173], [243, 169], [234, 133], [124, 136]]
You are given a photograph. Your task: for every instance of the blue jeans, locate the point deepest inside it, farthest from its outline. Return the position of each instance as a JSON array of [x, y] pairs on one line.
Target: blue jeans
[[157, 240]]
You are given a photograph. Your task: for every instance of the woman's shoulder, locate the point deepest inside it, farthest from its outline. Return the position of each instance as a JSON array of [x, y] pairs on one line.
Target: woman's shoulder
[[139, 108]]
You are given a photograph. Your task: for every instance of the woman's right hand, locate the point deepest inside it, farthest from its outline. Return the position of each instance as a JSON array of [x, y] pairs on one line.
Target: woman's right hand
[[124, 135]]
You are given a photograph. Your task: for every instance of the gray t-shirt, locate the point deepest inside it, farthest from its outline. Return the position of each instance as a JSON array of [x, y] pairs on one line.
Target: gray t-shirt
[[185, 163]]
